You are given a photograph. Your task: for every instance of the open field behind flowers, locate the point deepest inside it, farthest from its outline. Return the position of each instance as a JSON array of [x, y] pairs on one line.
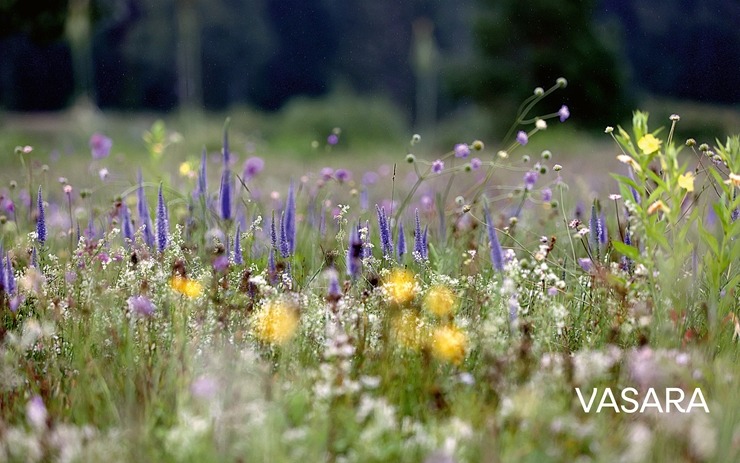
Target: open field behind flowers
[[182, 291]]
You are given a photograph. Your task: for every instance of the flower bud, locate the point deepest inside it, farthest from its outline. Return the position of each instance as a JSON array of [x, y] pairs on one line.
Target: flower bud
[[478, 145], [410, 158], [562, 82]]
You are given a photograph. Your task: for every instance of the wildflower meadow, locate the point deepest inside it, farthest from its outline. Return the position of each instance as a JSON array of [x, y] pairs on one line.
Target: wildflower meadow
[[473, 305]]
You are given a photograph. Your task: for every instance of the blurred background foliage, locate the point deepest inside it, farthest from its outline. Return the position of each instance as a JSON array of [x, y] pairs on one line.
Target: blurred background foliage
[[433, 59]]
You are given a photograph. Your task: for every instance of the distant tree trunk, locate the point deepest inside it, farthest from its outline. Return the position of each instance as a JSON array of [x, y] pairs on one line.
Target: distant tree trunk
[[188, 55], [425, 56], [78, 28]]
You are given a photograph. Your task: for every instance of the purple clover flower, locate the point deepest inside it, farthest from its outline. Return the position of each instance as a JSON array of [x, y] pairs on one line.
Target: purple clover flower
[[546, 194], [462, 150], [497, 255], [586, 264], [522, 138], [141, 305], [475, 163], [326, 173], [332, 139], [563, 113], [41, 222], [437, 166], [100, 146], [530, 178], [125, 217], [342, 175], [221, 263], [253, 167]]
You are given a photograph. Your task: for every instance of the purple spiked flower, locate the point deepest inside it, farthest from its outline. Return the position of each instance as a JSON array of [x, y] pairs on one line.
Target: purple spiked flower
[[271, 262], [334, 292], [9, 277], [144, 216], [595, 226], [354, 255], [162, 222], [290, 230], [497, 255], [284, 245], [425, 243], [125, 217], [386, 242], [603, 233], [226, 152], [401, 243], [635, 194], [522, 138], [438, 166], [563, 113], [238, 258], [367, 251], [418, 240], [2, 270], [41, 222], [462, 150], [225, 194], [203, 176]]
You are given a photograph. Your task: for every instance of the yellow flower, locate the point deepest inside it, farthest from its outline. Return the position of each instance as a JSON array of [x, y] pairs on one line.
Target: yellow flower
[[440, 300], [649, 144], [186, 286], [275, 323], [686, 181], [733, 180], [185, 169], [657, 206], [408, 330], [449, 344], [400, 286]]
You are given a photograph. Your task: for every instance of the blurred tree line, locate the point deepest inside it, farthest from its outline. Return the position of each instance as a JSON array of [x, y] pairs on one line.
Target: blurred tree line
[[423, 54]]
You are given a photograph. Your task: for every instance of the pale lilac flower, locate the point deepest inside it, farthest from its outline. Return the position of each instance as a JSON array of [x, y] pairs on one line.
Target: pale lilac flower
[[370, 178], [326, 173], [475, 163], [140, 305], [36, 413], [462, 150], [100, 146], [332, 139], [546, 194], [438, 166], [563, 113], [586, 264], [221, 263], [522, 138], [253, 166], [204, 387], [103, 174]]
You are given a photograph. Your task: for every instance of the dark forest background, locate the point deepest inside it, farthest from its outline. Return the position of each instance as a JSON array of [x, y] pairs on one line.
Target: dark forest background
[[427, 56]]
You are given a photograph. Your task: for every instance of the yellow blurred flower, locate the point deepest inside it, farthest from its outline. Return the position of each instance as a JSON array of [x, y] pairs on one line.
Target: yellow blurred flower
[[275, 323], [408, 330], [186, 286], [649, 144], [733, 180], [686, 181], [400, 286], [625, 159], [449, 344], [440, 300], [185, 169], [658, 206]]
